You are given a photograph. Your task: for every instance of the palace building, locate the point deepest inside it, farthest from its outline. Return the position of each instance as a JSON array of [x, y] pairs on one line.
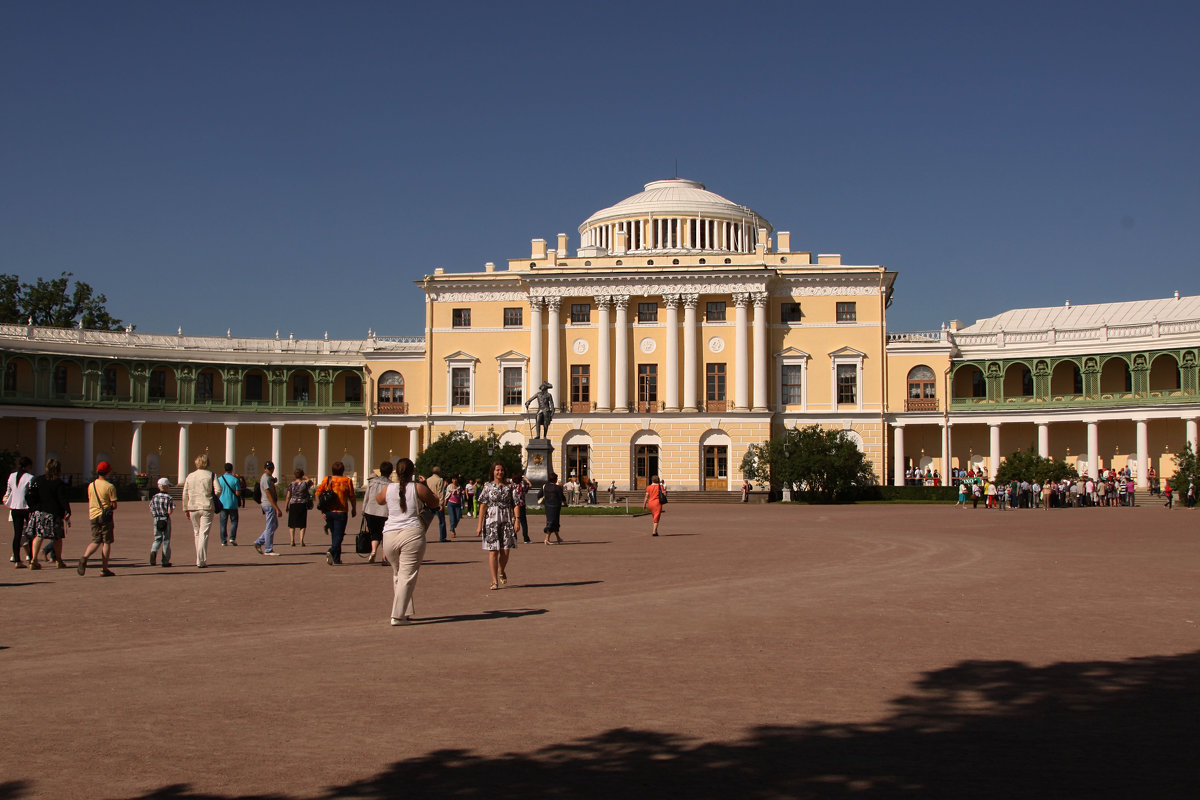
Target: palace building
[[683, 329]]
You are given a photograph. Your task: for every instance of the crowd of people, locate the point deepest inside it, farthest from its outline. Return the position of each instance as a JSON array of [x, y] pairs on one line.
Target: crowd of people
[[1110, 489]]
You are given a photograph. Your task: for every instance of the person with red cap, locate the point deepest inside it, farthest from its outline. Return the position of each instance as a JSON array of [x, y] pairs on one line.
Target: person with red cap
[[102, 502]]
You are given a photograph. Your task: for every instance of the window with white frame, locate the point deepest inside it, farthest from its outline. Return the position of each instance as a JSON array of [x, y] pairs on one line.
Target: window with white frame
[[513, 384], [847, 377], [460, 387], [791, 384], [847, 384]]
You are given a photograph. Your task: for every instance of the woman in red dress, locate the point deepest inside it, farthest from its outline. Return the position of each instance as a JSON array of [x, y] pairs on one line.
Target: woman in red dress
[[653, 501]]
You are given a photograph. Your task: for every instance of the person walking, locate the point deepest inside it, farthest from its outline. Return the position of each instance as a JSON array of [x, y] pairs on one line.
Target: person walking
[[654, 501], [404, 535], [497, 526], [437, 485], [552, 497], [339, 512], [198, 489], [102, 506], [299, 501], [161, 508], [520, 488], [269, 505], [375, 511], [454, 505], [49, 514], [612, 492], [18, 509], [229, 494]]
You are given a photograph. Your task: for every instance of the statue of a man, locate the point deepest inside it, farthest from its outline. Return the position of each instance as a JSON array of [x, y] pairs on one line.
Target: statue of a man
[[545, 412]]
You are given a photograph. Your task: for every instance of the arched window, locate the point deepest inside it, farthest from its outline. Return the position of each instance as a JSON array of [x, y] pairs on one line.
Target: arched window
[[391, 393], [921, 383]]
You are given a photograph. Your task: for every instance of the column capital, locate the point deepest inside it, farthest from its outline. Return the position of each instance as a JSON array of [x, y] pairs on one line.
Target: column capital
[[671, 300], [690, 301], [554, 303], [536, 303], [603, 301], [760, 299], [741, 299], [620, 301]]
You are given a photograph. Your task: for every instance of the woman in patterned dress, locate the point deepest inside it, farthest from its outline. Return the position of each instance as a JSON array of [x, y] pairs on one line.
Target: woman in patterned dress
[[497, 524]]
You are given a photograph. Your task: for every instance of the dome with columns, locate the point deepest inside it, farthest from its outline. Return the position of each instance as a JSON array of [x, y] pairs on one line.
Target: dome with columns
[[675, 215]]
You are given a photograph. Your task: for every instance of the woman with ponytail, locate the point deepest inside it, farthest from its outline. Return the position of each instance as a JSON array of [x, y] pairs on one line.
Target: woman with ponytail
[[404, 536]]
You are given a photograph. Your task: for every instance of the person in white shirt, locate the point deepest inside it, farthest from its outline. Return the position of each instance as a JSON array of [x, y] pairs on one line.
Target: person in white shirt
[[14, 499]]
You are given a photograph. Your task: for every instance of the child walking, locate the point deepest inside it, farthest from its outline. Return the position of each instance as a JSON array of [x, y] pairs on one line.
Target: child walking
[[161, 506]]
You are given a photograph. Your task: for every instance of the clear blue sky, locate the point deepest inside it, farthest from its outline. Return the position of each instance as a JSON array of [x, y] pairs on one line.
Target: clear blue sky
[[296, 165]]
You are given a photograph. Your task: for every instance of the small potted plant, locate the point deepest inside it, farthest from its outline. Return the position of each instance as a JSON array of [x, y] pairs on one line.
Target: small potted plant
[[141, 480]]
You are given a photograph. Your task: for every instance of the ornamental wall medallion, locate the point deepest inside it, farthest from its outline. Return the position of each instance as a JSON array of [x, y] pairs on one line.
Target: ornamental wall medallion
[[647, 345], [716, 344], [580, 346]]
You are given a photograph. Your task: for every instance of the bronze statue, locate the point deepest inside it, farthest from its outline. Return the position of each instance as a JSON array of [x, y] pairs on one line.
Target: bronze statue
[[545, 412]]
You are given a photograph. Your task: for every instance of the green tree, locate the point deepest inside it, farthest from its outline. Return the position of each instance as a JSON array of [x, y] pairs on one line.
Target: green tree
[[57, 303], [825, 465], [1187, 470], [1027, 465], [459, 454]]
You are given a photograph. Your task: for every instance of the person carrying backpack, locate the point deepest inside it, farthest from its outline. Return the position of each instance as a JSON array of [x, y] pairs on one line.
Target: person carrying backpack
[[337, 492]]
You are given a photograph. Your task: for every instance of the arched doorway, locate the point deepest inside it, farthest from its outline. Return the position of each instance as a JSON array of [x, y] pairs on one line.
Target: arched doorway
[[714, 452], [646, 445], [577, 455]]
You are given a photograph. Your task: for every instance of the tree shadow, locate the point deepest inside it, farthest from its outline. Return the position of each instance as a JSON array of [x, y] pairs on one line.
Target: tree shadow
[[980, 729]]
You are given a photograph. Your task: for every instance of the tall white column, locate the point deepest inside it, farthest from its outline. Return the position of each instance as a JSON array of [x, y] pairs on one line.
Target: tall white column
[[760, 351], [368, 462], [741, 366], [898, 462], [182, 461], [1191, 433], [135, 448], [39, 450], [414, 442], [690, 332], [1043, 429], [945, 455], [89, 447], [535, 346], [603, 356], [671, 301], [554, 334], [1143, 457], [277, 446], [231, 444], [1093, 446], [322, 451], [621, 376], [994, 446]]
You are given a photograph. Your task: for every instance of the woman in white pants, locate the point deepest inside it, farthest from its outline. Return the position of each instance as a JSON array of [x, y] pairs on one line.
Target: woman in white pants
[[404, 536]]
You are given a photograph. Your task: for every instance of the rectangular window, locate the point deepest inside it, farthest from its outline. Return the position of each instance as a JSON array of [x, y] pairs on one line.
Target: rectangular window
[[792, 389], [847, 383], [300, 389], [789, 312], [715, 312], [581, 313], [647, 383], [513, 317], [252, 388], [460, 387], [647, 312], [580, 379], [512, 386], [715, 383], [108, 382], [158, 385], [353, 389], [460, 318], [847, 312], [204, 386], [10, 377]]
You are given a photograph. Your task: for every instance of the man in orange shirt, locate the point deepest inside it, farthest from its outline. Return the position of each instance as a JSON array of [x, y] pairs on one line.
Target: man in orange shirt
[[339, 510]]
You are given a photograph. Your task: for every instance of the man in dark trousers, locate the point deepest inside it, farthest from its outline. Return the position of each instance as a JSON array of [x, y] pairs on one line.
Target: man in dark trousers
[[551, 496]]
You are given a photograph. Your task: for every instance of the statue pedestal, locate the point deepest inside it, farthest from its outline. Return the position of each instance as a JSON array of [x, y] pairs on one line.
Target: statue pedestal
[[539, 462]]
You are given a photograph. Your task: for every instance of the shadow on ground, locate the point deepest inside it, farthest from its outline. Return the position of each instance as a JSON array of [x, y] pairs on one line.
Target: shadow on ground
[[980, 729]]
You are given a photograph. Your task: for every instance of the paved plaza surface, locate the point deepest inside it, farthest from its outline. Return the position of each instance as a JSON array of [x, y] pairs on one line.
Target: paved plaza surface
[[750, 651]]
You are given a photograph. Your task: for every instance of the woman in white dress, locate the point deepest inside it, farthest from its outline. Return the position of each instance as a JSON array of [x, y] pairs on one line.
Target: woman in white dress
[[404, 536], [497, 524]]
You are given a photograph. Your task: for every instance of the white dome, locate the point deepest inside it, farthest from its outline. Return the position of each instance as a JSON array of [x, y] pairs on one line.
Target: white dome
[[676, 197]]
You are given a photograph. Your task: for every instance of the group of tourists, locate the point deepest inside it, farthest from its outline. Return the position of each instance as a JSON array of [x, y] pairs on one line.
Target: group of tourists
[[1112, 489], [915, 476]]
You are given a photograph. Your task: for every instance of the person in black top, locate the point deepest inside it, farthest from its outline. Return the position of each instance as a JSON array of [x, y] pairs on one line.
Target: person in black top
[[51, 515], [552, 497]]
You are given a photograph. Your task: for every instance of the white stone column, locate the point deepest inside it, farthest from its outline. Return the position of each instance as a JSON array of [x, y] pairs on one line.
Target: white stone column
[[230, 444], [322, 451], [554, 335], [898, 462], [89, 447], [182, 461], [760, 351], [1093, 446], [135, 448], [741, 366], [1043, 429], [39, 450], [535, 346], [414, 442], [368, 452], [1191, 433], [671, 301], [621, 377], [1143, 458], [994, 446], [691, 376], [277, 446], [603, 356], [945, 454]]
